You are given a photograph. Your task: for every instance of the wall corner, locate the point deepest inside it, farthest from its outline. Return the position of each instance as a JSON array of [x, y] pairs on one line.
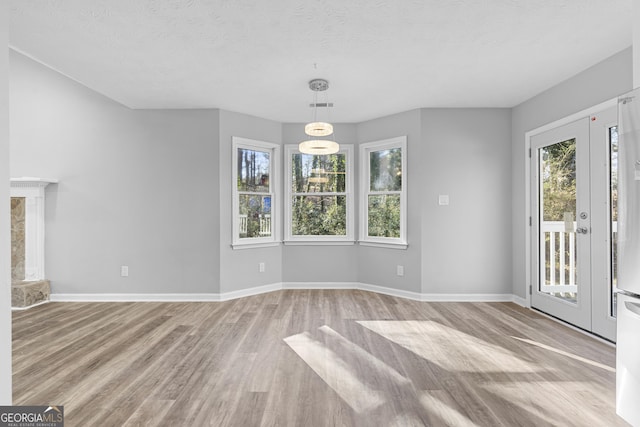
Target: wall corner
[[5, 239]]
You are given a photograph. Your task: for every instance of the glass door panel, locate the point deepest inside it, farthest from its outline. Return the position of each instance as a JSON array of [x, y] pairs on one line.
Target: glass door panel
[[557, 204], [613, 203]]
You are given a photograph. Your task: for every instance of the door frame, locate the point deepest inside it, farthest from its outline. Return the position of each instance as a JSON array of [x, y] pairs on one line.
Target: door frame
[[528, 212]]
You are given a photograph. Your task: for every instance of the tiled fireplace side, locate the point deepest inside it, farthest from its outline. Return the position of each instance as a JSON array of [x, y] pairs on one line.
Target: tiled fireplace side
[[17, 239]]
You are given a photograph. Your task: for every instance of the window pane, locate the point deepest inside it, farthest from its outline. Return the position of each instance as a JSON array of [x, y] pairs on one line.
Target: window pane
[[385, 170], [558, 175], [384, 215], [314, 174], [253, 170], [319, 216], [255, 216]]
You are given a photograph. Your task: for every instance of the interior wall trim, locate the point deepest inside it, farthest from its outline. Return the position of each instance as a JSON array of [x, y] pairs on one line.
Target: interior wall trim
[[226, 296], [134, 297]]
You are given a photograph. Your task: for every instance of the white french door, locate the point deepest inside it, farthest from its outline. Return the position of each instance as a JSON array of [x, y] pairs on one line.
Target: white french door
[[572, 222]]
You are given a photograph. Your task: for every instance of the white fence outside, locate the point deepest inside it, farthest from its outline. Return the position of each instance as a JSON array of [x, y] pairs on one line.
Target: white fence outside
[[265, 225], [558, 255]]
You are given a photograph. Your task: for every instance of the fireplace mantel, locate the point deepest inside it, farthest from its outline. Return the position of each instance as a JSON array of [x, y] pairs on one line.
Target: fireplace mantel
[[33, 190], [30, 182]]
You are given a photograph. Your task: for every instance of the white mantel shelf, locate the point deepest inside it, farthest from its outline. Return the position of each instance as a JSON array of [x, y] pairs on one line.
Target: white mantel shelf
[[30, 181]]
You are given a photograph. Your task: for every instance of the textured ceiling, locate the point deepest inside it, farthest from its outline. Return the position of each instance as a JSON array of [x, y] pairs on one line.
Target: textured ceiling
[[380, 56]]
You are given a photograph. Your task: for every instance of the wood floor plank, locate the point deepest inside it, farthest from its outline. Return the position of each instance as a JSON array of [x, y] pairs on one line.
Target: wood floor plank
[[312, 358], [149, 413]]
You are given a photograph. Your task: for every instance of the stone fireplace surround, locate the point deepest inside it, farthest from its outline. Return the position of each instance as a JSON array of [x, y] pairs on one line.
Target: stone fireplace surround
[[28, 284]]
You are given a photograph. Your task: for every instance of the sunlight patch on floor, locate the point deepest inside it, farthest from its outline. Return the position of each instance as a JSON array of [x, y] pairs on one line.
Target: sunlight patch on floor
[[451, 416], [366, 383], [547, 401], [564, 353], [371, 363], [447, 347], [406, 420], [336, 372]]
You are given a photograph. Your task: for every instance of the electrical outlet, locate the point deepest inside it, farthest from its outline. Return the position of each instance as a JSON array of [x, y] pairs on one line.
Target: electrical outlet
[[400, 270], [261, 267], [124, 270]]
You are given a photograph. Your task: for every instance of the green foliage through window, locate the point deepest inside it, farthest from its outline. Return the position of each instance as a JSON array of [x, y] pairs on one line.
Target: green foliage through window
[[319, 216], [319, 201], [558, 180], [384, 195], [384, 216]]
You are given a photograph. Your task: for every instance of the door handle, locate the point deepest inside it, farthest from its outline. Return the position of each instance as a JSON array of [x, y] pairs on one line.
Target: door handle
[[582, 230]]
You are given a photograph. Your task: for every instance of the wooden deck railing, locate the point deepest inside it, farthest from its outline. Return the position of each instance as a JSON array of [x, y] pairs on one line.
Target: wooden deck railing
[[558, 257]]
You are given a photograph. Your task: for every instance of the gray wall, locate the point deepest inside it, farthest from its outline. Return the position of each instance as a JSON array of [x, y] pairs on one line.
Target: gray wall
[[466, 246], [597, 84], [303, 264], [377, 266], [136, 188], [239, 268], [5, 239]]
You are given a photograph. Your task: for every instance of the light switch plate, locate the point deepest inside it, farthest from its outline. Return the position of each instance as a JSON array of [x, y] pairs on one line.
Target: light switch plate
[[443, 199]]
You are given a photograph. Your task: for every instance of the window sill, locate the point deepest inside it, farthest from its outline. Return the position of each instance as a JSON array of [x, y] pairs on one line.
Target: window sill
[[388, 245], [319, 242], [254, 245]]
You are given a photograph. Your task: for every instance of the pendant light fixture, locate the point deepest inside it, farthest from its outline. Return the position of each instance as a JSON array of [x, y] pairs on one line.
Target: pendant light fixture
[[316, 129]]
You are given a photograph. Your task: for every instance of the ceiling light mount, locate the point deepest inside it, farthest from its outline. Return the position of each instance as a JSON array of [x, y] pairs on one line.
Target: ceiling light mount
[[318, 85]]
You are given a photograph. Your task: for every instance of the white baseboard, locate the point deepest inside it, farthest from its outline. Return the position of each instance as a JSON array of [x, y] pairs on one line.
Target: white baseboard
[[467, 297], [519, 300], [320, 285], [390, 291], [133, 297], [226, 296]]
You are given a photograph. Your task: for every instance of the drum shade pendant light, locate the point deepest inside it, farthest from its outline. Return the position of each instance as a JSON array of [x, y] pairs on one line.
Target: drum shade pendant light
[[318, 129]]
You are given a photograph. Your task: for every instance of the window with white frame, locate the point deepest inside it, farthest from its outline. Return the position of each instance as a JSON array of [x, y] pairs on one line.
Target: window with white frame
[[319, 206], [384, 193], [254, 183]]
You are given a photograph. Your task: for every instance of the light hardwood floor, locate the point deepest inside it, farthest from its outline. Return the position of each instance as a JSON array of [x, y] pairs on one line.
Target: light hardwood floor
[[310, 358]]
